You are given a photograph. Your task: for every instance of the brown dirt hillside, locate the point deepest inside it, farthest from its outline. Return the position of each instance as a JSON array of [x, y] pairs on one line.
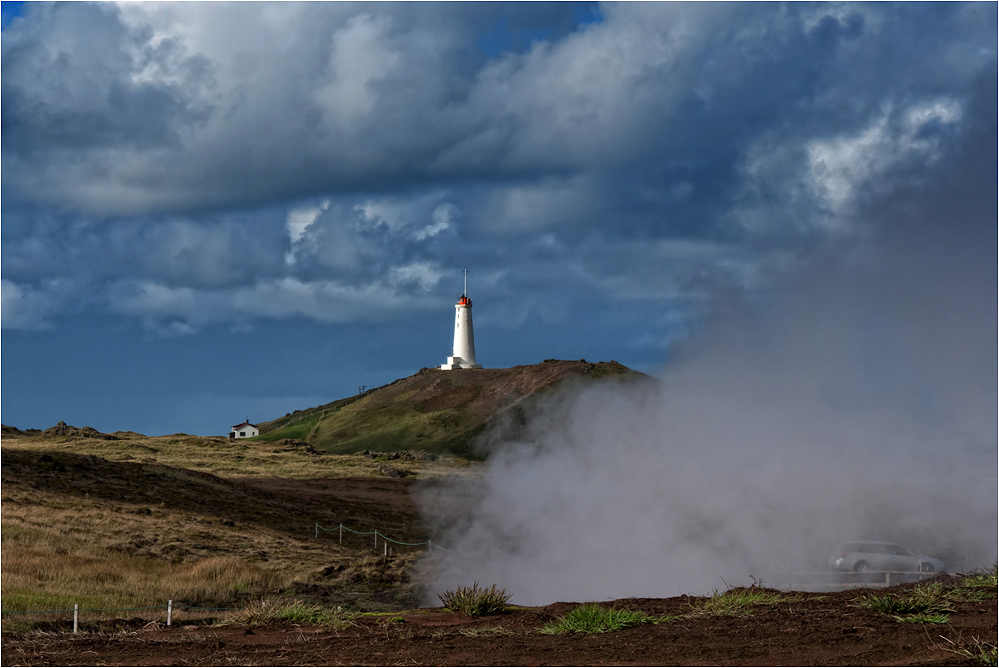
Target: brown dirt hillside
[[437, 411]]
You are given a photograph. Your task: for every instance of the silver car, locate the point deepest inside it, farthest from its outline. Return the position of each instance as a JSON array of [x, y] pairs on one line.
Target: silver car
[[878, 555]]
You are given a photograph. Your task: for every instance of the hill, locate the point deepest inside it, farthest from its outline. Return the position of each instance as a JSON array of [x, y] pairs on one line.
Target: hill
[[437, 411], [113, 521]]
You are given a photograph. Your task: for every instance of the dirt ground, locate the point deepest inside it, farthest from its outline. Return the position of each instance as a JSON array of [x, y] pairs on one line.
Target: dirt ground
[[809, 629]]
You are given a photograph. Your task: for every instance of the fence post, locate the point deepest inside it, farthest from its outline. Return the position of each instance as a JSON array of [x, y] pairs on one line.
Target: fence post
[[341, 533], [317, 529], [430, 546], [76, 618], [376, 539], [386, 547], [169, 612]]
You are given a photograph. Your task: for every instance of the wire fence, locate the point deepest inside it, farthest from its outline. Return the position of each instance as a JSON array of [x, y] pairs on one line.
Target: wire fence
[[170, 608], [376, 534]]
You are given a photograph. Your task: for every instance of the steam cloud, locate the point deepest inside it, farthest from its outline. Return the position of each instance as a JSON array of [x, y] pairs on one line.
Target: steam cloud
[[859, 403]]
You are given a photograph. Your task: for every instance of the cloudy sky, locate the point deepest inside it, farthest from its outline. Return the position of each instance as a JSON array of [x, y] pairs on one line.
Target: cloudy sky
[[218, 211]]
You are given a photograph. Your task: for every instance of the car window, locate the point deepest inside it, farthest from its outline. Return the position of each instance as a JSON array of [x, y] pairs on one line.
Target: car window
[[898, 549]]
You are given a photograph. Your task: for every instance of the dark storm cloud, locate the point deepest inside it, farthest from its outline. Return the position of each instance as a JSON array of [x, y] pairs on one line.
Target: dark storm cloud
[[195, 160]]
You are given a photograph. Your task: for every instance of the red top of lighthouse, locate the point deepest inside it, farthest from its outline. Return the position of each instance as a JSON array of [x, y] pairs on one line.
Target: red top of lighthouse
[[463, 300]]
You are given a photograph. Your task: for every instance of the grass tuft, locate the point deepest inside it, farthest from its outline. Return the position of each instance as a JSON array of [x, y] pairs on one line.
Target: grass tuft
[[591, 618], [983, 580], [923, 618], [267, 611], [741, 600], [473, 601], [922, 601]]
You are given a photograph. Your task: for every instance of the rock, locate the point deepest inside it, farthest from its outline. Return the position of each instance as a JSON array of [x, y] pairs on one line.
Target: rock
[[63, 429], [391, 472]]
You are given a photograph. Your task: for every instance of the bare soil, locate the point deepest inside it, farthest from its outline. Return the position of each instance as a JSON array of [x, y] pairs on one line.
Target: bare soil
[[809, 629]]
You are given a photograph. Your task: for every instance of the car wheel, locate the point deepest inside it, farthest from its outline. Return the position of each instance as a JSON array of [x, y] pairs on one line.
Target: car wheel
[[861, 567], [926, 567]]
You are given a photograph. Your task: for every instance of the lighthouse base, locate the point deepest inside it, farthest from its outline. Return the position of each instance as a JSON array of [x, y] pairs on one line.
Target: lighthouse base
[[458, 363]]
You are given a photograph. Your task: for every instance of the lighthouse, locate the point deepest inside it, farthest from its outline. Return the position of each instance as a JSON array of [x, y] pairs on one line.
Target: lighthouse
[[463, 353]]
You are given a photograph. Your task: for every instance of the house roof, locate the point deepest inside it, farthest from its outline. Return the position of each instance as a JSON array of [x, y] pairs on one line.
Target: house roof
[[245, 424]]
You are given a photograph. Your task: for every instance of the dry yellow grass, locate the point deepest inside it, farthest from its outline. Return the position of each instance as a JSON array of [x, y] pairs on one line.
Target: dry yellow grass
[[106, 524], [227, 458], [54, 524], [96, 577]]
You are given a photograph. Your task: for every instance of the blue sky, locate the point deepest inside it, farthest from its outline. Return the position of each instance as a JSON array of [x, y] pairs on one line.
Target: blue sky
[[214, 211]]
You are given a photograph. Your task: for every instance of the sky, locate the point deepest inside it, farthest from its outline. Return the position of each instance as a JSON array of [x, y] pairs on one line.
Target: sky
[[220, 211]]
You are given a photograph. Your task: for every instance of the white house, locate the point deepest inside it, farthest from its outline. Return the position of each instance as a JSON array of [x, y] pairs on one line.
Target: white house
[[245, 430]]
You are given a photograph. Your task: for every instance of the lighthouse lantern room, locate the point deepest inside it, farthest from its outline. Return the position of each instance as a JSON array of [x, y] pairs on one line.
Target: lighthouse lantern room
[[463, 353]]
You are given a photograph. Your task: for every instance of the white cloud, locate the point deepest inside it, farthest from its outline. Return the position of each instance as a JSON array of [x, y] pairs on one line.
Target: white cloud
[[27, 308], [387, 211], [443, 219], [299, 219], [424, 274], [148, 298], [297, 222], [819, 183], [542, 204], [840, 166], [360, 57], [174, 311], [346, 135]]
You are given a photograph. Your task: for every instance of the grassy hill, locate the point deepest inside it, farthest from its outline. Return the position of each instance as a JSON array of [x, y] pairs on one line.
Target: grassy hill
[[433, 410], [121, 520]]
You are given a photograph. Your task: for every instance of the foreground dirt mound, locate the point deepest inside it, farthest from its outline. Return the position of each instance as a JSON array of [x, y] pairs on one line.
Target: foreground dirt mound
[[802, 629]]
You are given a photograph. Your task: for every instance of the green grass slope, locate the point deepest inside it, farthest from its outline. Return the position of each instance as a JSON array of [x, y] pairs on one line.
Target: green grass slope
[[433, 410]]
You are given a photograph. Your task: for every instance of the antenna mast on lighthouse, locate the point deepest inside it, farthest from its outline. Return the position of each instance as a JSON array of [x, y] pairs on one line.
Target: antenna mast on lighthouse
[[463, 352]]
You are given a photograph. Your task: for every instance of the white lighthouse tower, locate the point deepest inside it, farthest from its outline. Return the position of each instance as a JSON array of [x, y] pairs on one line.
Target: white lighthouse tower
[[463, 353]]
